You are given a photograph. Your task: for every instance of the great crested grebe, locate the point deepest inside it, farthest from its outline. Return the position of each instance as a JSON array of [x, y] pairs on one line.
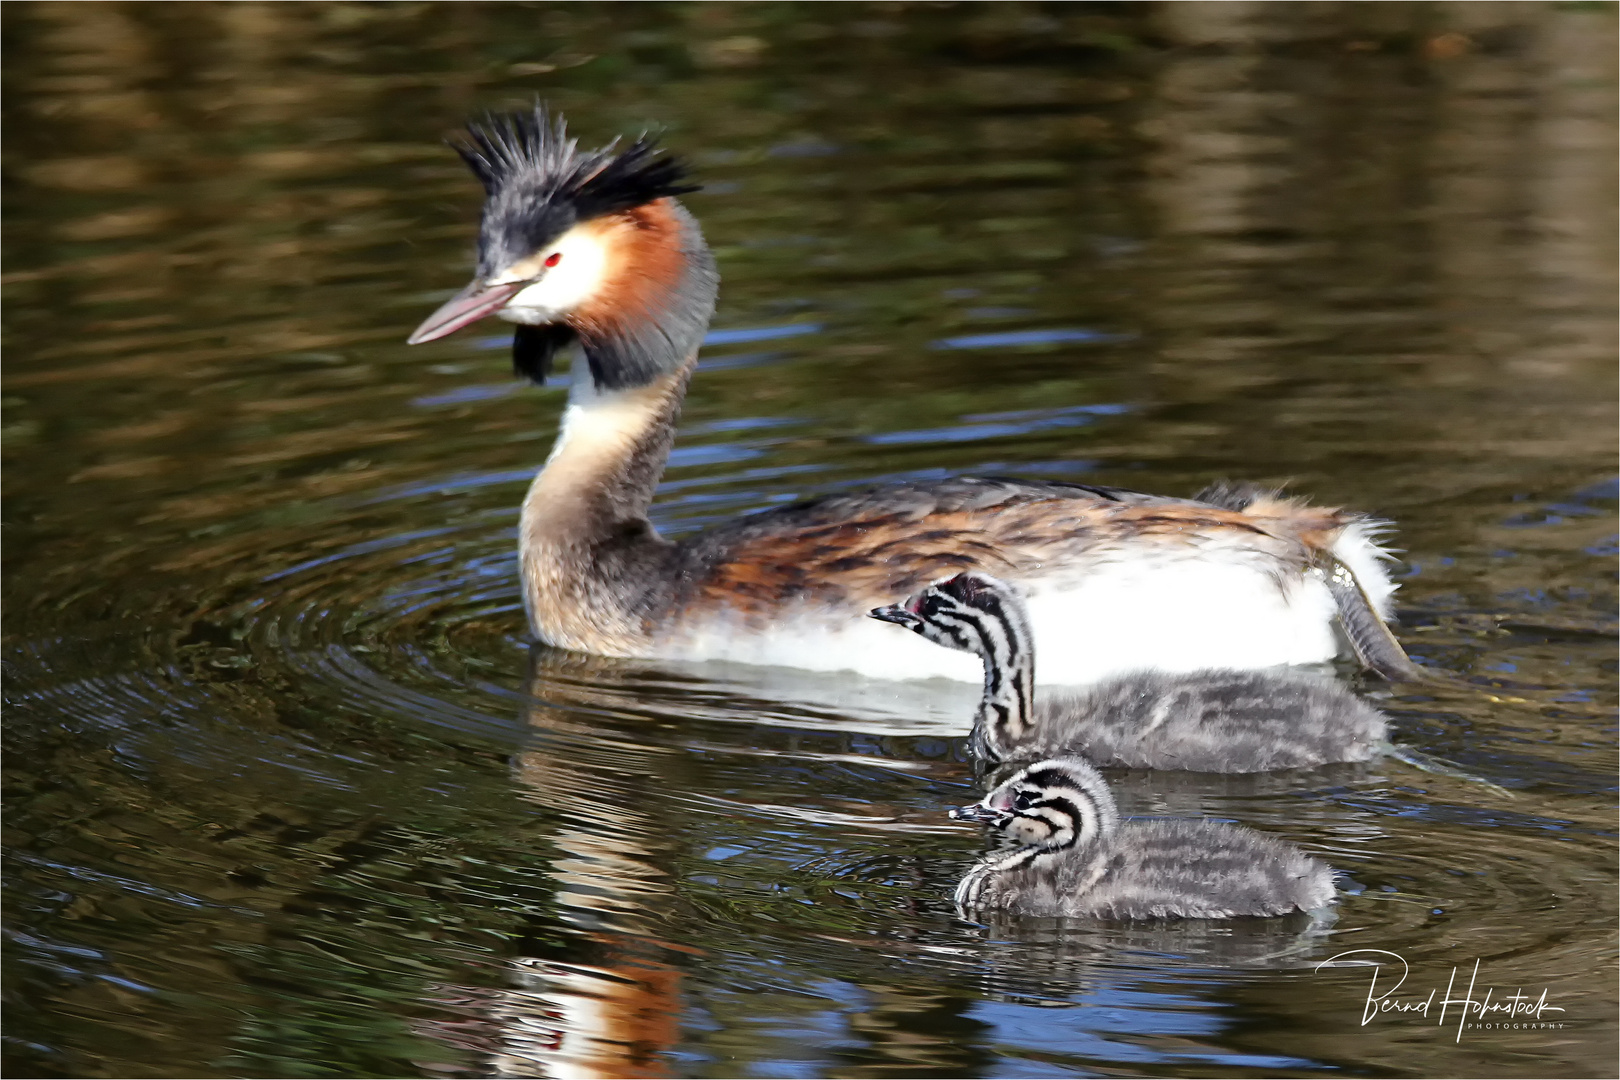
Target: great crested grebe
[[1207, 721], [591, 248], [1073, 857]]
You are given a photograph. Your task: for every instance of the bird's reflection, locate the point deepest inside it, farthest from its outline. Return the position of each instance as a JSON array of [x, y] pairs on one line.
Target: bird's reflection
[[610, 1006], [607, 1001], [614, 1019]]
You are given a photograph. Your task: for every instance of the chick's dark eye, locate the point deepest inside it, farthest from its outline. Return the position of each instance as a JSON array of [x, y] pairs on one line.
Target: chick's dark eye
[[1024, 801], [553, 259]]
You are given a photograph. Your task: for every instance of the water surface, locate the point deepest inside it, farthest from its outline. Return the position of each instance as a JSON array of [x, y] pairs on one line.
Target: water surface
[[290, 793]]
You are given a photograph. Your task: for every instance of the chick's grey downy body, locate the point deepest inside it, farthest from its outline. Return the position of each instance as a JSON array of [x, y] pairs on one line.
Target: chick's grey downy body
[[1165, 869], [1209, 721], [1074, 857], [1215, 720]]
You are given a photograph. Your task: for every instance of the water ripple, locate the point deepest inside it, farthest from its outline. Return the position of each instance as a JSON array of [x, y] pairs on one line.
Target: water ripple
[[1014, 338]]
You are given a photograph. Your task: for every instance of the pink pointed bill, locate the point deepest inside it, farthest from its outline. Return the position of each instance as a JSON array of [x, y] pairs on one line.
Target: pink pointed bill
[[466, 307]]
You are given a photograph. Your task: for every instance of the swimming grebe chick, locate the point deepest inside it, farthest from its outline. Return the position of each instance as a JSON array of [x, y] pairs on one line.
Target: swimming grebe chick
[[1074, 857], [591, 248], [1207, 721]]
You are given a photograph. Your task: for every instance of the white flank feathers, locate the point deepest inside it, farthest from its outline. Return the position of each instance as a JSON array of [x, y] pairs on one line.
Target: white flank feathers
[[1211, 610]]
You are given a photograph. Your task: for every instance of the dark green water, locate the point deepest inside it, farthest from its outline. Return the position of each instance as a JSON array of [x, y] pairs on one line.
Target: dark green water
[[289, 794]]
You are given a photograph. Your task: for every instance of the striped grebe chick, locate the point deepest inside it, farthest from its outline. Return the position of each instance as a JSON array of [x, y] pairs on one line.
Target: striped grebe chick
[[1072, 856], [1207, 721], [591, 249]]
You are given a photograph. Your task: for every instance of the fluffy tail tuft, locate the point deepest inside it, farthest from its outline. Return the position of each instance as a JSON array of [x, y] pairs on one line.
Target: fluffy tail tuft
[[1348, 557]]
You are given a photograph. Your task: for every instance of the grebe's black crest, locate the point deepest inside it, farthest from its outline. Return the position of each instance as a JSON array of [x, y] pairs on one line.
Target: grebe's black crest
[[540, 183]]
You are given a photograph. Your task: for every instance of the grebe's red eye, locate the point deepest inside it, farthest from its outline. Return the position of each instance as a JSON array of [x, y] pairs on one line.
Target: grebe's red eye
[[553, 259]]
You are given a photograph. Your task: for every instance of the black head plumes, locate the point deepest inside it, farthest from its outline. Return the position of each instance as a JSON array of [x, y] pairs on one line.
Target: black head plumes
[[586, 246], [540, 184]]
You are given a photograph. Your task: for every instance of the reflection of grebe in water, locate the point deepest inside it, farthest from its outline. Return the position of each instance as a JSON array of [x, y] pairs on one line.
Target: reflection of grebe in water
[[611, 1007], [591, 248]]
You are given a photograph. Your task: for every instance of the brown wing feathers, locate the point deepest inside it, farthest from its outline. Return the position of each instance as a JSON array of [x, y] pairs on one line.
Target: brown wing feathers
[[901, 540]]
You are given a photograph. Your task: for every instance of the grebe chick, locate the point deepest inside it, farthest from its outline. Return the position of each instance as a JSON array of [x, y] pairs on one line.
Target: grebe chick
[[1207, 721], [591, 248], [1073, 856]]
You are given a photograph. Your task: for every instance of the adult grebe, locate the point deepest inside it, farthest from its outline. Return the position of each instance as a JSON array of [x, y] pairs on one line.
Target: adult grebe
[[591, 248], [1074, 857], [1207, 721]]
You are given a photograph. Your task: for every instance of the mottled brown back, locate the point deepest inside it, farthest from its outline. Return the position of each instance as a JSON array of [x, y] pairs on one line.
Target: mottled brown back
[[864, 548]]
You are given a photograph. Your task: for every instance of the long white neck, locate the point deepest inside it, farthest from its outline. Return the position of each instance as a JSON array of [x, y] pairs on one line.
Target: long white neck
[[594, 570], [590, 558]]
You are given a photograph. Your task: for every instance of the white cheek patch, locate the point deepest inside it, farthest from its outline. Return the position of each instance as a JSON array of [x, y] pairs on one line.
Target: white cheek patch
[[577, 278]]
